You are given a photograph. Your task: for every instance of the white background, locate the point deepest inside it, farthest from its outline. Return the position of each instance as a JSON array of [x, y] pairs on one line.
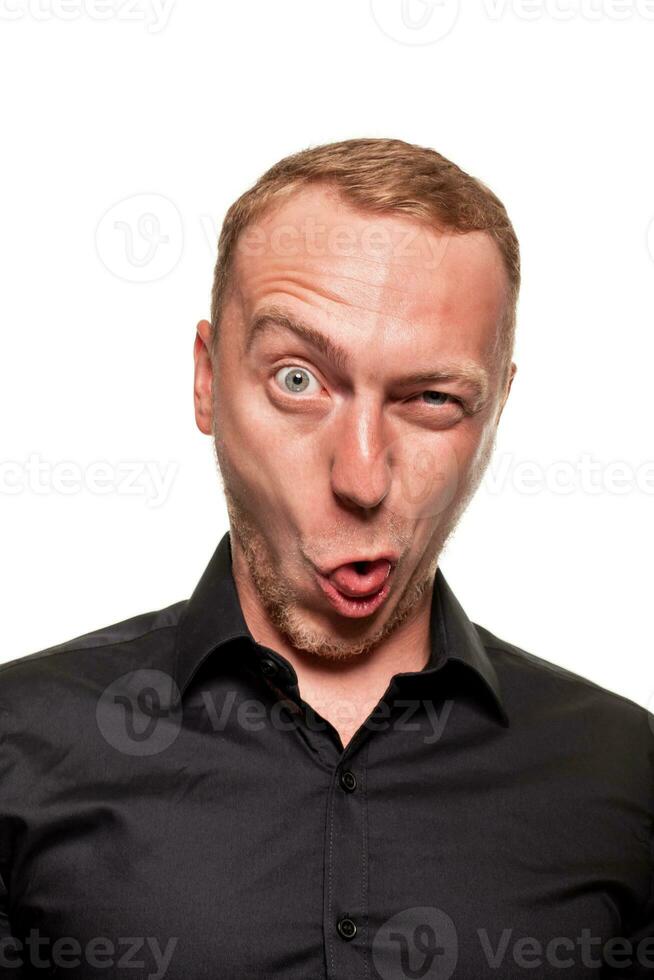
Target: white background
[[190, 101]]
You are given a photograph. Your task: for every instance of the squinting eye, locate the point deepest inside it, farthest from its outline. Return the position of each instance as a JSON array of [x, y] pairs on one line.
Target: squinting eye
[[296, 379], [440, 395]]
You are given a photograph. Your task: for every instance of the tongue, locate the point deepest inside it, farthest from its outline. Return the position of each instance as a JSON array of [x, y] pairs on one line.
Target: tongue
[[357, 584]]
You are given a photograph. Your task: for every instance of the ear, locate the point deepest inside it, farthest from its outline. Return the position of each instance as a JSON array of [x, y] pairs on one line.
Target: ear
[[202, 393], [509, 382]]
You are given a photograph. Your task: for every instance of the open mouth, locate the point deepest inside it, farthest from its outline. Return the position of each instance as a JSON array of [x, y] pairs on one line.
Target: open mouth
[[358, 588]]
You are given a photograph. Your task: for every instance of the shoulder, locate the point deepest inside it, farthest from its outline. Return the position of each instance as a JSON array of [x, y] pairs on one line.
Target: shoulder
[[544, 689], [83, 657]]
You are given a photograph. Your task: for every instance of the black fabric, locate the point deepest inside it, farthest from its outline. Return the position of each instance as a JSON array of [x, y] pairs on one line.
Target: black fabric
[[171, 807]]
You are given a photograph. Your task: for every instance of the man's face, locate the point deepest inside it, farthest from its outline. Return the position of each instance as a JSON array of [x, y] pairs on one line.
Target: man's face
[[326, 459]]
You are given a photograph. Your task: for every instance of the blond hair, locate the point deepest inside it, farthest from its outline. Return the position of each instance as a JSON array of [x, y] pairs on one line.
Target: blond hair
[[380, 177]]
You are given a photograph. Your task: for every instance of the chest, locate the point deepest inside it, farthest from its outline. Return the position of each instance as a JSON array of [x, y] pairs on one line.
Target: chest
[[287, 866]]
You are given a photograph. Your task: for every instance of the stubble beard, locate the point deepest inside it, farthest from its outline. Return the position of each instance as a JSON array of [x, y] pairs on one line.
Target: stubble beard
[[281, 602]]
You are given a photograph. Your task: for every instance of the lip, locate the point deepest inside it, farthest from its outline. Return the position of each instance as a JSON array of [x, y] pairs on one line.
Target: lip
[[355, 608], [387, 556]]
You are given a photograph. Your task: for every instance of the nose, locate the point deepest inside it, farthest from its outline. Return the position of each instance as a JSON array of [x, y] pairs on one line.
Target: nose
[[360, 472]]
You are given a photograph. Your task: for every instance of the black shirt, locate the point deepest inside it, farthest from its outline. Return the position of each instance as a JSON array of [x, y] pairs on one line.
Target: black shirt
[[170, 807]]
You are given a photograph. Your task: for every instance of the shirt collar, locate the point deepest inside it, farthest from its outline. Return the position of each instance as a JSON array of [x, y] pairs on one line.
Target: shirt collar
[[213, 617]]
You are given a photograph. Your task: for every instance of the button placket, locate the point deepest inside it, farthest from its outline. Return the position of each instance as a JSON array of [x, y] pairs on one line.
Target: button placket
[[346, 871]]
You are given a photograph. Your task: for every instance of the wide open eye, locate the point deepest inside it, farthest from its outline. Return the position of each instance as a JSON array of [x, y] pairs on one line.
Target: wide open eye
[[297, 379]]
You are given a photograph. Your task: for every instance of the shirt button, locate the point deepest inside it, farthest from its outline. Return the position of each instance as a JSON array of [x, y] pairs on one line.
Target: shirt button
[[346, 928], [269, 668], [348, 780]]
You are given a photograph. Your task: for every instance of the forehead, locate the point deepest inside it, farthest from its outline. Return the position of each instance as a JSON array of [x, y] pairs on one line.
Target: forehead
[[365, 276]]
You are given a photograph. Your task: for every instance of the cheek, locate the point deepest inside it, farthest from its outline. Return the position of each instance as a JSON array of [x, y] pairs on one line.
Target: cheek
[[474, 458], [432, 471], [271, 461], [424, 475]]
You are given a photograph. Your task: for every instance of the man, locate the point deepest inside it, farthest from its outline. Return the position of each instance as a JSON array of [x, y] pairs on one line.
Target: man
[[318, 766]]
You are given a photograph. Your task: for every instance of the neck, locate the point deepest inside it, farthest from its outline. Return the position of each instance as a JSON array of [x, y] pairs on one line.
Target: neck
[[343, 691]]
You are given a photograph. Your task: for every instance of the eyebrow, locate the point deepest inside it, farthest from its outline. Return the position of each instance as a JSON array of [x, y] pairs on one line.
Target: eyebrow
[[467, 373], [275, 316]]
